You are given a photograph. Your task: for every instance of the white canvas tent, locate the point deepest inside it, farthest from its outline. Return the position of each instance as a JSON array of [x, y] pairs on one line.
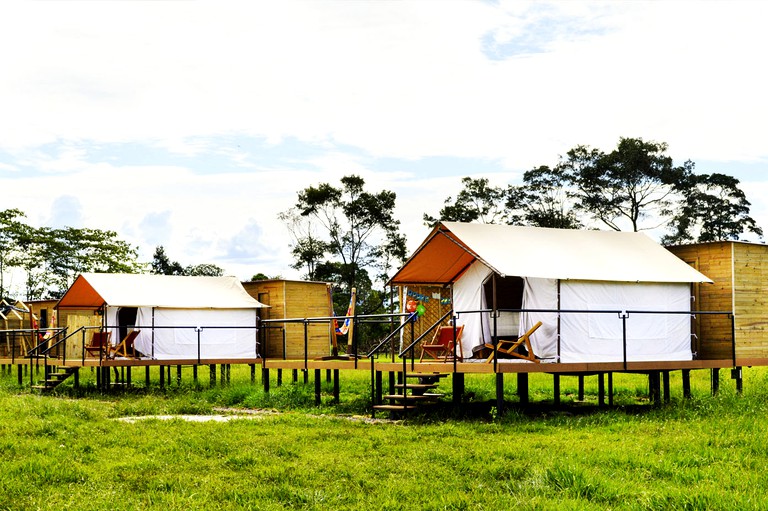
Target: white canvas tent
[[167, 310], [575, 282]]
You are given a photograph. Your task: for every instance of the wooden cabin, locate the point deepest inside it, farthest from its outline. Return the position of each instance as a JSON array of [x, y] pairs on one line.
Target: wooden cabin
[[291, 299], [740, 274]]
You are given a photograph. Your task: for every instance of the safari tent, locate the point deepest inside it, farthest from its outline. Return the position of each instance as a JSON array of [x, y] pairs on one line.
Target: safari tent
[[171, 312], [586, 287]]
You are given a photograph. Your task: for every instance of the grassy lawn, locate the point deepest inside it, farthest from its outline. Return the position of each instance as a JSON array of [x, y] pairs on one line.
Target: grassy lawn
[[70, 451]]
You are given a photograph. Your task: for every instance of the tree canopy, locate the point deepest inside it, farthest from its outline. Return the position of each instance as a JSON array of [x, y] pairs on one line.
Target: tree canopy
[[162, 265], [51, 258], [634, 187]]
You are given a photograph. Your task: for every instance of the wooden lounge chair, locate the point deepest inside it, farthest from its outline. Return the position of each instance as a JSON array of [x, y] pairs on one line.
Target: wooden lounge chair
[[99, 344], [510, 348], [442, 344], [125, 348]]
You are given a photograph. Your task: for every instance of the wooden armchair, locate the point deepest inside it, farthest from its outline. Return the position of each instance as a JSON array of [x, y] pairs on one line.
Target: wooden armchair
[[510, 348], [443, 344], [125, 348], [99, 344]]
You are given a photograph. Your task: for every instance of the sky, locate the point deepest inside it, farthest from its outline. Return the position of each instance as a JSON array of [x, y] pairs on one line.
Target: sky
[[192, 124]]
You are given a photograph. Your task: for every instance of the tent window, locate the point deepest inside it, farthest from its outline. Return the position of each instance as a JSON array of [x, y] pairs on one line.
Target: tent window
[[509, 292]]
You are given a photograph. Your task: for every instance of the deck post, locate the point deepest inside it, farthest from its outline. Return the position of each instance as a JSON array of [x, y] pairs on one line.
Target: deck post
[[212, 370], [253, 373], [736, 374], [295, 376], [128, 376], [306, 375], [610, 389], [162, 377], [665, 376], [522, 387], [715, 380], [654, 387], [556, 389], [581, 387], [194, 373], [318, 375], [21, 375], [280, 377], [335, 385], [457, 382], [146, 377], [687, 383], [500, 393], [601, 389], [265, 379], [77, 378], [327, 375], [178, 375], [379, 388]]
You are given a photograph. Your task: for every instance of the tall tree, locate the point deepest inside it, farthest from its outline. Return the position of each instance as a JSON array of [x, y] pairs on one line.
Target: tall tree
[[631, 187], [162, 264], [478, 201], [10, 229], [541, 200], [344, 232], [714, 209]]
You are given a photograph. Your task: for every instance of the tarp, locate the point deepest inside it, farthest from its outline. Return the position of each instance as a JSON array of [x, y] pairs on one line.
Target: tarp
[[92, 290], [173, 312], [589, 270], [543, 253]]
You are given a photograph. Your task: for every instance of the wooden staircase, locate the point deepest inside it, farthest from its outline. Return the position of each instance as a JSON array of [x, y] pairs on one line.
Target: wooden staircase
[[54, 379], [414, 396]]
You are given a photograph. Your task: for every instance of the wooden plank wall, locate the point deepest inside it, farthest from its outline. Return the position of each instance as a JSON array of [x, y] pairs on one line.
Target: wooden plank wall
[[308, 300], [714, 332], [288, 300], [751, 303], [740, 272]]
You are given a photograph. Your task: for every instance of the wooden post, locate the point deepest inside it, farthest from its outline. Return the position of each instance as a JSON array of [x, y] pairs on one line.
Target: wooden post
[[77, 378], [194, 373], [687, 383], [500, 393], [265, 379], [581, 387], [280, 377], [736, 374], [178, 375], [610, 389], [715, 380], [335, 385], [317, 386], [212, 370], [667, 396], [556, 389], [601, 389], [379, 388], [253, 373], [457, 380]]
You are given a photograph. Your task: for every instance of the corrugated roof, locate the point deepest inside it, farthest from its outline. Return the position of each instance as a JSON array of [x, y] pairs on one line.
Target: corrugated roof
[[544, 253], [92, 290]]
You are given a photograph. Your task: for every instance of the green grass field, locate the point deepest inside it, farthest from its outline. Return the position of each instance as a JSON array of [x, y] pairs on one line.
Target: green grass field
[[70, 451]]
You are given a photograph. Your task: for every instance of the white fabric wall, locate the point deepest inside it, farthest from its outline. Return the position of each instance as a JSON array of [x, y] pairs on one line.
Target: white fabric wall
[[181, 343], [541, 294], [468, 295], [598, 337]]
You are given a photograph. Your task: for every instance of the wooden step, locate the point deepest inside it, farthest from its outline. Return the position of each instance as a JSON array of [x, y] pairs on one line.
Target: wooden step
[[412, 397], [427, 375], [416, 386], [394, 408]]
